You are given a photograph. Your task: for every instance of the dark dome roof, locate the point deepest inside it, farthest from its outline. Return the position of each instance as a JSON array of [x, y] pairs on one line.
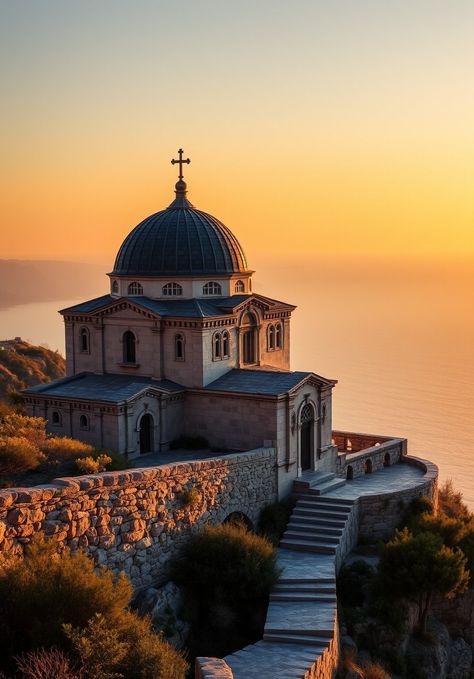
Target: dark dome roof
[[180, 241]]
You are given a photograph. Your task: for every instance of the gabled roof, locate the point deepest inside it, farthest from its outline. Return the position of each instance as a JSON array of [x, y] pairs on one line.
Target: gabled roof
[[178, 308], [110, 388], [265, 382]]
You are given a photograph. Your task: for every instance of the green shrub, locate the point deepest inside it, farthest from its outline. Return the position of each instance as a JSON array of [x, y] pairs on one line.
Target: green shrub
[[18, 454], [417, 508], [58, 600], [61, 448], [189, 497], [227, 556], [353, 583], [190, 443], [90, 465], [31, 428], [118, 461], [451, 501], [274, 519]]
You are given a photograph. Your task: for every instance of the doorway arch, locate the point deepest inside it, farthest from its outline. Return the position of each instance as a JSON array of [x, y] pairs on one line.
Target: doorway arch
[[249, 341], [146, 434], [306, 436]]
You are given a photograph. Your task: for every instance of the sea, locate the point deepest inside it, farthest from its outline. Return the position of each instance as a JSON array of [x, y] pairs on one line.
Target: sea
[[398, 335]]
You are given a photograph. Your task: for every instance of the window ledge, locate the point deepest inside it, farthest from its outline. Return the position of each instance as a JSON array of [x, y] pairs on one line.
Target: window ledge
[[129, 365]]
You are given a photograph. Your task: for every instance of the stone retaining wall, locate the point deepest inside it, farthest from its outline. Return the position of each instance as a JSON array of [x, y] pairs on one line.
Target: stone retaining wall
[[136, 520], [380, 514]]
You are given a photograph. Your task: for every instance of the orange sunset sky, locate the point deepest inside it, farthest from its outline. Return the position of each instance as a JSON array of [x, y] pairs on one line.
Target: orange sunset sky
[[313, 127]]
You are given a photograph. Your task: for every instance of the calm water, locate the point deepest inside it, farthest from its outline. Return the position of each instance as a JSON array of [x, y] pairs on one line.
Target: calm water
[[399, 338]]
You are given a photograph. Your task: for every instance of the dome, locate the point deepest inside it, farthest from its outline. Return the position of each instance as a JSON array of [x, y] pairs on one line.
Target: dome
[[180, 241]]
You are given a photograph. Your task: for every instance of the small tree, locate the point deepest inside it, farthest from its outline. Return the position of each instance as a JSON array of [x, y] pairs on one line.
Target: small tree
[[18, 454], [31, 428], [418, 566]]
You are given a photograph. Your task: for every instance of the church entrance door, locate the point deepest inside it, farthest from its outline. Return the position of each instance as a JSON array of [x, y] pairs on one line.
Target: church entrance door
[[146, 434], [306, 436], [249, 346]]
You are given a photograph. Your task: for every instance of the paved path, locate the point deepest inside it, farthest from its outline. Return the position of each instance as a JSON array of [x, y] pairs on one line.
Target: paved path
[[302, 612]]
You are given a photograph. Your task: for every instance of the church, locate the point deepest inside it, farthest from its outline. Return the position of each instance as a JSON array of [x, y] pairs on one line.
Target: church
[[182, 346]]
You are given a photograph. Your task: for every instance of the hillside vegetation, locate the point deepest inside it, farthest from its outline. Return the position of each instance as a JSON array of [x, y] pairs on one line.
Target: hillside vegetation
[[25, 365]]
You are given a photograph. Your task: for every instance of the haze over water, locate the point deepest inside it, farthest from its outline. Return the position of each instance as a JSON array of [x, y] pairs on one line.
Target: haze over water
[[398, 335]]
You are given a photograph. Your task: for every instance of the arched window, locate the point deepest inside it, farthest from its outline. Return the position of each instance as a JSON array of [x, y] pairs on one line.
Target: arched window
[[212, 288], [240, 286], [56, 418], [386, 460], [278, 336], [271, 337], [84, 422], [249, 341], [179, 347], [349, 473], [225, 344], [216, 346], [135, 289], [84, 340], [368, 466], [172, 290], [115, 287], [129, 349], [306, 436]]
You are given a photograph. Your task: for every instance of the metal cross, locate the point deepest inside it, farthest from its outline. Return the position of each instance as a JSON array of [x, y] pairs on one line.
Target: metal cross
[[180, 162]]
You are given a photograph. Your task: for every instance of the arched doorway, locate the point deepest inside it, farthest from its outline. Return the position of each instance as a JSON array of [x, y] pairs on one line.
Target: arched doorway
[[146, 434], [349, 473], [249, 333], [386, 460], [368, 466], [306, 436]]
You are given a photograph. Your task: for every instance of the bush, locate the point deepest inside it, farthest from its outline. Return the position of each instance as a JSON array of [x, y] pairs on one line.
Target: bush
[[61, 448], [46, 664], [117, 460], [451, 502], [190, 443], [353, 583], [58, 600], [226, 574], [274, 519], [41, 592], [18, 454], [31, 428], [189, 497], [89, 465]]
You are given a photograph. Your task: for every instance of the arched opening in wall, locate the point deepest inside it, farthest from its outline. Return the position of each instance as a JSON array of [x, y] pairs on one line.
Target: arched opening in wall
[[306, 436], [239, 519], [115, 287], [349, 473], [249, 333], [146, 434], [135, 288], [84, 422], [386, 460], [225, 344], [271, 338], [129, 350], [278, 336], [179, 347], [368, 466], [56, 418], [239, 286]]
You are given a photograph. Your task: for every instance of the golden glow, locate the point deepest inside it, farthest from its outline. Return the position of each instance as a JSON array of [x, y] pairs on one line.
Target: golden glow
[[310, 129]]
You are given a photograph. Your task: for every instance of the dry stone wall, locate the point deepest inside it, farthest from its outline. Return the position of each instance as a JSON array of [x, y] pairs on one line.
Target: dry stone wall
[[136, 520]]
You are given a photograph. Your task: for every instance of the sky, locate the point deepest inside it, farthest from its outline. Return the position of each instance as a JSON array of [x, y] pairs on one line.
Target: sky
[[314, 128]]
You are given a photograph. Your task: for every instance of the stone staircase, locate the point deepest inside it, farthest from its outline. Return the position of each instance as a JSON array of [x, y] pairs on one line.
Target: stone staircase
[[301, 619]]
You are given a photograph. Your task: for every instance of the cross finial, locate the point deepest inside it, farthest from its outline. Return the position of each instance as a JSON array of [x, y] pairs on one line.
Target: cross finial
[[180, 162]]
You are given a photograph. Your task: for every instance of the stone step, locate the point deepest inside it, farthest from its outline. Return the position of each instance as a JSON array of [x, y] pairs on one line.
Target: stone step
[[326, 487], [314, 502], [323, 588], [307, 510], [328, 499], [304, 639], [298, 581], [294, 534], [322, 632], [316, 528], [312, 520], [306, 546], [302, 596], [311, 479]]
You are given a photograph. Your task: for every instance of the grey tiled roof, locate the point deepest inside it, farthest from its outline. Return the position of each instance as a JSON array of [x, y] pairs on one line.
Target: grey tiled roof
[[268, 382], [187, 308], [111, 388], [180, 240]]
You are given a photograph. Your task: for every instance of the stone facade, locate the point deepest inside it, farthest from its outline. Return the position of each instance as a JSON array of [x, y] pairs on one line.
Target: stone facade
[[136, 521]]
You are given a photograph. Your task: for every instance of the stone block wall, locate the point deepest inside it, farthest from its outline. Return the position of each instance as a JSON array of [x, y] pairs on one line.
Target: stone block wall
[[136, 520], [379, 515]]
